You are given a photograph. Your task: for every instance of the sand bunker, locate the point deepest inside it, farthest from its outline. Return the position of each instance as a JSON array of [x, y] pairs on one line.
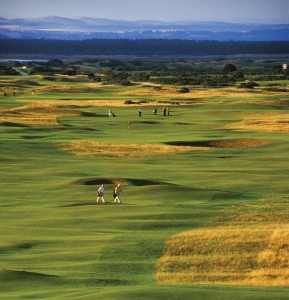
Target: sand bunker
[[35, 114], [88, 148], [230, 143], [131, 181]]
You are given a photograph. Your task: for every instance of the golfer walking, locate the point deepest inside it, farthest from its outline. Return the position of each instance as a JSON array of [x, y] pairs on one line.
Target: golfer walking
[[100, 194], [116, 192]]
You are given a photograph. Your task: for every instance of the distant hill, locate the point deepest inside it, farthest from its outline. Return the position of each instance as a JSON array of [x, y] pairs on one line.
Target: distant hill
[[54, 27]]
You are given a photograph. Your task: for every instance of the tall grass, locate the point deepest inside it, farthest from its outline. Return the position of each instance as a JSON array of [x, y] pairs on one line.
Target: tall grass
[[252, 249]]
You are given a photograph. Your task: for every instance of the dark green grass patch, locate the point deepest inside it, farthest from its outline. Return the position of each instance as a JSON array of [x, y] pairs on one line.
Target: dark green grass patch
[[190, 292]]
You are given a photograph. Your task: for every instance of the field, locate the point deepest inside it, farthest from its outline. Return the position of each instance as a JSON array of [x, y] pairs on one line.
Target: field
[[204, 212]]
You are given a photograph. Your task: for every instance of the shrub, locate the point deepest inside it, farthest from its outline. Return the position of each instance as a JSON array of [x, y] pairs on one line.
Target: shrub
[[248, 85], [184, 90], [7, 71]]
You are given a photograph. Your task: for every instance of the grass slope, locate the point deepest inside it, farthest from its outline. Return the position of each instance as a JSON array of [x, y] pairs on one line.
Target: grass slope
[[229, 184]]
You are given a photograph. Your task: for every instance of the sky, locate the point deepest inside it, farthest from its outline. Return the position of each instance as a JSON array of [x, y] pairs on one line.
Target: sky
[[232, 11]]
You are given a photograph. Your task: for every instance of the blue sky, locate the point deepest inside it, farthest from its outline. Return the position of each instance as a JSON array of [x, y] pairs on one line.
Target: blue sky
[[233, 11]]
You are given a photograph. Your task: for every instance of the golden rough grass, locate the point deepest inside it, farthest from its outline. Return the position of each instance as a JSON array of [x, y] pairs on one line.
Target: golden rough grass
[[195, 93], [273, 102], [90, 148], [251, 249], [267, 123], [239, 256], [35, 114], [210, 256], [10, 86], [95, 103], [62, 88]]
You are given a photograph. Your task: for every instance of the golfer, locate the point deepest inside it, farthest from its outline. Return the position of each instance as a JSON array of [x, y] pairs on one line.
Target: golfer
[[117, 190], [100, 194]]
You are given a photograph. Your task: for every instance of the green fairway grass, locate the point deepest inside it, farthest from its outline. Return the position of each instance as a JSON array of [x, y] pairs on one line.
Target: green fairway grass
[[58, 243]]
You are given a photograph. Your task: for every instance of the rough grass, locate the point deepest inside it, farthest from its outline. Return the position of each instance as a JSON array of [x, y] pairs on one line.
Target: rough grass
[[35, 114], [199, 93], [17, 86], [63, 88], [121, 150], [269, 123], [251, 249], [90, 148]]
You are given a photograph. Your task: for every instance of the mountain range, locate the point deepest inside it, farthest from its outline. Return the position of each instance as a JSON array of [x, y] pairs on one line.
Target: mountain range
[[80, 28]]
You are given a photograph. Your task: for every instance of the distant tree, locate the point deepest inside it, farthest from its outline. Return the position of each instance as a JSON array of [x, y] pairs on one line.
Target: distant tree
[[139, 47], [237, 75], [55, 61], [136, 62], [229, 68], [7, 71], [90, 76], [124, 82], [112, 63], [110, 75], [277, 67], [97, 79]]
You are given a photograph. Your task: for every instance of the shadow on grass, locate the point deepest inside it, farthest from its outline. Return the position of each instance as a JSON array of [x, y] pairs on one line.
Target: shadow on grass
[[12, 124], [87, 114], [226, 143], [17, 247], [22, 275], [92, 203], [150, 122], [104, 282], [134, 182], [28, 137]]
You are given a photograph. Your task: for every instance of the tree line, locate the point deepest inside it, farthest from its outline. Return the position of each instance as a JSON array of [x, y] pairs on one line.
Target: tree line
[[140, 47]]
